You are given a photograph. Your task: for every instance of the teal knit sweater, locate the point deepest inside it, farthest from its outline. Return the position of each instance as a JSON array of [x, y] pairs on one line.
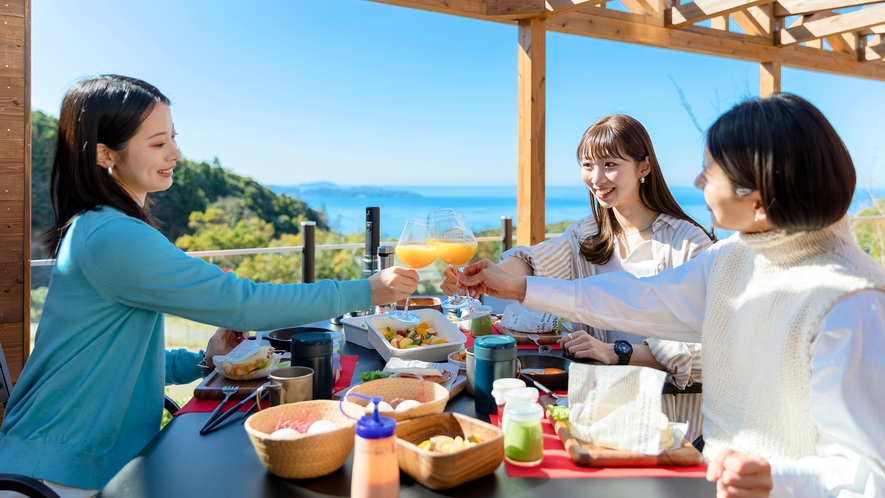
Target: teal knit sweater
[[90, 396]]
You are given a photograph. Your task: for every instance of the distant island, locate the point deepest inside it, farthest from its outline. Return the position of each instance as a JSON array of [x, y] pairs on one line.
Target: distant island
[[328, 189]]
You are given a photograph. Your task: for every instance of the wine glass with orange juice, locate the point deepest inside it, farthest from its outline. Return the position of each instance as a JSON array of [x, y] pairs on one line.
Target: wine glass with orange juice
[[414, 251], [455, 245]]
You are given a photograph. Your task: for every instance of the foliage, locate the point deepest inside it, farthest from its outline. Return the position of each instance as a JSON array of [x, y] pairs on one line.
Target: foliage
[[38, 299], [870, 234], [44, 134]]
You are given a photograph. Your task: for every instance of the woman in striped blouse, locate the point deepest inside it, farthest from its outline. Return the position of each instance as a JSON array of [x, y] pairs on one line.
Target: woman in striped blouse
[[638, 227]]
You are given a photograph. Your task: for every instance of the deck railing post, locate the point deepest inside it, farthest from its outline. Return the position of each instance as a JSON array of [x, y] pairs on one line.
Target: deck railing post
[[506, 233], [309, 253]]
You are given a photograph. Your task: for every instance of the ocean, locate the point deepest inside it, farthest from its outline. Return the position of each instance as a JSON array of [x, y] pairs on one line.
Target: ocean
[[482, 206]]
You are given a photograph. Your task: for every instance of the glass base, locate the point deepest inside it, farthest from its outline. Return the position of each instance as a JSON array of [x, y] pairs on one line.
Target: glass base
[[455, 303], [405, 317]]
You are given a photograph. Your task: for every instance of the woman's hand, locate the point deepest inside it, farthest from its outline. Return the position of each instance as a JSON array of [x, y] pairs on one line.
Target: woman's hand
[[486, 277], [449, 285], [221, 343], [392, 284], [740, 475], [583, 345]]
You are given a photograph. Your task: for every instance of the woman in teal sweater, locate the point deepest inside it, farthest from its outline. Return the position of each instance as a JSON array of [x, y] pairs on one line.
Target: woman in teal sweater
[[90, 397]]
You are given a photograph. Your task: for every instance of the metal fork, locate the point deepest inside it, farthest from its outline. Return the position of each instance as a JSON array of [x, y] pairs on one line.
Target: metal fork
[[542, 349], [228, 392]]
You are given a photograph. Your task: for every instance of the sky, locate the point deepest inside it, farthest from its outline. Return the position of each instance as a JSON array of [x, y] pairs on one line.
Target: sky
[[360, 93]]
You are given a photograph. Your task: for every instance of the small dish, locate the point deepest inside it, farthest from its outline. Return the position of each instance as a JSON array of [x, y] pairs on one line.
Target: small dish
[[460, 364]]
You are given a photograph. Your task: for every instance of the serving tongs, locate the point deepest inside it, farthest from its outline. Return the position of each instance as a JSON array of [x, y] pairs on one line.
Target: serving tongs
[[559, 400], [211, 425]]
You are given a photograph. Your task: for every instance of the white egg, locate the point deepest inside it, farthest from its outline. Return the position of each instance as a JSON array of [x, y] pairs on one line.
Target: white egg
[[407, 405], [322, 426], [284, 434], [382, 407]]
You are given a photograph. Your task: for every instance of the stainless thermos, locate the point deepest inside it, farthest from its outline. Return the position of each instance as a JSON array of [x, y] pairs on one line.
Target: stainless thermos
[[314, 350], [494, 358]]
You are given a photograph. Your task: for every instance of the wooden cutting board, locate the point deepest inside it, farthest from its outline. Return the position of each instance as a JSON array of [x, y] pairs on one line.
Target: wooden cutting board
[[211, 386]]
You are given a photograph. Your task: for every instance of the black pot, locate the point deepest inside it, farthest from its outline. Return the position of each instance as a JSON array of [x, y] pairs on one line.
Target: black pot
[[554, 382], [282, 338]]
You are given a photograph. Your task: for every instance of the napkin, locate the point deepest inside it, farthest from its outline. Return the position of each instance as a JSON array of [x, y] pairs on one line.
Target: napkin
[[521, 319]]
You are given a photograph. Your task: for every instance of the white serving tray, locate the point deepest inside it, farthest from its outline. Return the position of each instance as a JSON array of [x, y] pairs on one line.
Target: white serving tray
[[435, 352]]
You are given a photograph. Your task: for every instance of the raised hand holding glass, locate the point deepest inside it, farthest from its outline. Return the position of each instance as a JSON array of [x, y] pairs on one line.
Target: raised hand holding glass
[[413, 250]]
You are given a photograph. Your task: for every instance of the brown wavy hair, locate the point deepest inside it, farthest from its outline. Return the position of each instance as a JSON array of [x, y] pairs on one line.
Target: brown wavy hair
[[622, 137], [107, 110]]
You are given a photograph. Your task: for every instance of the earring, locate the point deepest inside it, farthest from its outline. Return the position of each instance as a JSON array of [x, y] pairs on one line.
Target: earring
[[642, 180], [110, 170]]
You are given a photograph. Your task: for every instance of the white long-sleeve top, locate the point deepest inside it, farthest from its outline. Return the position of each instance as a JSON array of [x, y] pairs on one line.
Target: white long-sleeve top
[[848, 364]]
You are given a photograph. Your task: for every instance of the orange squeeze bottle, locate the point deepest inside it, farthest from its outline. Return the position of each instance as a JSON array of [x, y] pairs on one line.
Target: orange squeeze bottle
[[375, 472]]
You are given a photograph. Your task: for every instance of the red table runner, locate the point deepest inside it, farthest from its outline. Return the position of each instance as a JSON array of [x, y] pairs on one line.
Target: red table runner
[[348, 365], [558, 464]]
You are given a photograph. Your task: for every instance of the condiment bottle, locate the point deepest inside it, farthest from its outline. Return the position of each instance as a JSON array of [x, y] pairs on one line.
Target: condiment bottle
[[524, 437], [481, 324], [494, 358], [523, 395], [314, 350], [375, 472], [501, 387]]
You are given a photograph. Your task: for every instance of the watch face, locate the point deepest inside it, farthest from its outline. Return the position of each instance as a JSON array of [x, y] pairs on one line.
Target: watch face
[[623, 348]]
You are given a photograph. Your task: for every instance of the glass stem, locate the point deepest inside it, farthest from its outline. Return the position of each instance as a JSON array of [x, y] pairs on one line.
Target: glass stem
[[406, 307], [469, 300]]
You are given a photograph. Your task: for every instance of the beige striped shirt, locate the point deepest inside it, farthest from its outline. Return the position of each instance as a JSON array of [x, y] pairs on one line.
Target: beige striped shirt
[[674, 242]]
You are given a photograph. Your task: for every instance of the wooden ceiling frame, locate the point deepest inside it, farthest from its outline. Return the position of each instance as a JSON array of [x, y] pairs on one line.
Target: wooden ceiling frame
[[821, 40]]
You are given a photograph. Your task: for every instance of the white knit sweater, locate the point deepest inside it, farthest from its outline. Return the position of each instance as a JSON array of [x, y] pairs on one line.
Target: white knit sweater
[[766, 294]]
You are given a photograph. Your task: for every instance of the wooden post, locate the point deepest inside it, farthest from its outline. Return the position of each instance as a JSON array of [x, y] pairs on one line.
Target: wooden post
[[769, 78], [309, 253], [506, 233], [531, 122], [15, 186]]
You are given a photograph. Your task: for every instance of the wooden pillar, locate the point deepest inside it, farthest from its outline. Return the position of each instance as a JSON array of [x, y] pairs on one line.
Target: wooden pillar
[[531, 122], [15, 184], [769, 78]]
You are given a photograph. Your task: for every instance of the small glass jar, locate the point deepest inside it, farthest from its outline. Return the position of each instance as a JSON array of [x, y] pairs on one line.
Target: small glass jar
[[523, 395], [481, 324], [499, 387], [524, 437], [337, 342]]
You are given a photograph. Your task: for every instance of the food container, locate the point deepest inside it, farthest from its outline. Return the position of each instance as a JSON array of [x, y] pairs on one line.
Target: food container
[[308, 456], [462, 365], [357, 331], [435, 352], [421, 303], [433, 397], [447, 470], [533, 364]]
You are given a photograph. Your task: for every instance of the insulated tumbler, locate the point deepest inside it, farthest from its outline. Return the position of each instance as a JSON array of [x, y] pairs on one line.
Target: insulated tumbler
[[314, 350], [494, 358]]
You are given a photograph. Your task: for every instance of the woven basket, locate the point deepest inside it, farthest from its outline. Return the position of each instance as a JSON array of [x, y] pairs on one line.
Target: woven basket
[[433, 396], [309, 456]]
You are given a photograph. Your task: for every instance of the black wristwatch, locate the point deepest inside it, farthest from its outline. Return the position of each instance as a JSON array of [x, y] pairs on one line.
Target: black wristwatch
[[624, 350]]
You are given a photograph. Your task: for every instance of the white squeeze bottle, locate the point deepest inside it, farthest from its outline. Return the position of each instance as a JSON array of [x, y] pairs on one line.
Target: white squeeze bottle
[[375, 465]]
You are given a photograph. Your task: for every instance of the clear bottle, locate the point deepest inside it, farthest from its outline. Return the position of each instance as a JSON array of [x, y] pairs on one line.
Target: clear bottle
[[375, 472], [524, 437], [481, 324]]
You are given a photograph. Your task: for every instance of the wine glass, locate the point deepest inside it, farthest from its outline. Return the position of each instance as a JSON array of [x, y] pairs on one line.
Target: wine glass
[[455, 245], [456, 301], [413, 251]]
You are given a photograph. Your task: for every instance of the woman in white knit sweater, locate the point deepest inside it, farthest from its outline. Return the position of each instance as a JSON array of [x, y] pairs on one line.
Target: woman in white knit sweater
[[791, 311], [636, 226]]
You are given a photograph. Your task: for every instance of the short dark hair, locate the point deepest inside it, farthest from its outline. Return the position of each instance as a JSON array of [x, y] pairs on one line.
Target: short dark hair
[[785, 148], [107, 110]]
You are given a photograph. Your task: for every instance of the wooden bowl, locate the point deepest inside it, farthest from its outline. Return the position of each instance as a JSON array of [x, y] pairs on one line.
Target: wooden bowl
[[308, 456], [447, 470], [433, 396], [534, 362]]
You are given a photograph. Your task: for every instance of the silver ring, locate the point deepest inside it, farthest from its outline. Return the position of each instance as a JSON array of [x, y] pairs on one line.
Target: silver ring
[[569, 336]]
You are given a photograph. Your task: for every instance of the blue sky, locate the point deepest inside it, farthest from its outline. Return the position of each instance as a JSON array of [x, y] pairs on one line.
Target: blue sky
[[361, 93]]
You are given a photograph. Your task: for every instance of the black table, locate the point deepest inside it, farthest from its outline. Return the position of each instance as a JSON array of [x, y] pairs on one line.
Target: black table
[[180, 462]]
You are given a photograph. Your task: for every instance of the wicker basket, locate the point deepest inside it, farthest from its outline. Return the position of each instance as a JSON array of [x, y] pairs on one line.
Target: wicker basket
[[433, 396], [309, 456]]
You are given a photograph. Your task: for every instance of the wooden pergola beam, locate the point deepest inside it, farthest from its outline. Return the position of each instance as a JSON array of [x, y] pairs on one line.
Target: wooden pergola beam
[[835, 25], [769, 78], [875, 51], [785, 8], [755, 21], [531, 126], [699, 10], [520, 9]]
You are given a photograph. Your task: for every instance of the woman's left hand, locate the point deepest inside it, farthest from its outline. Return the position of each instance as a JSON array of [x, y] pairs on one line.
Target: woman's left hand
[[221, 343], [580, 344], [740, 475]]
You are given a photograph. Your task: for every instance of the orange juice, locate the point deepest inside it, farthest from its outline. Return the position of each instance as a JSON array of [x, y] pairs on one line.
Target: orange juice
[[455, 253], [416, 256]]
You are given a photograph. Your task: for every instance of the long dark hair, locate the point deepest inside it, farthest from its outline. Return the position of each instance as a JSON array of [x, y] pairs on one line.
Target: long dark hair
[[785, 148], [622, 137], [107, 110]]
